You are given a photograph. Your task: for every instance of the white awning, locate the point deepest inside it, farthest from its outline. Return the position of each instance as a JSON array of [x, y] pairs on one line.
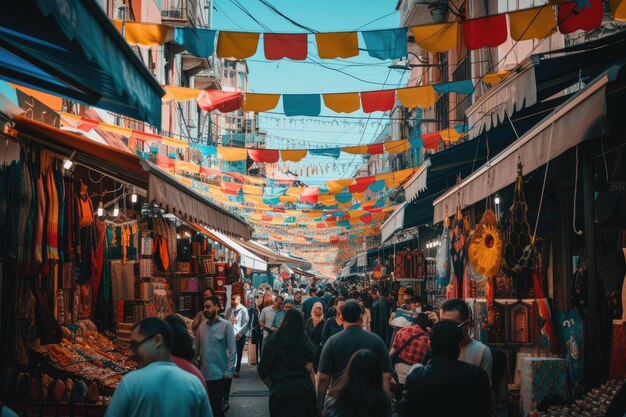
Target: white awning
[[167, 192], [578, 119], [513, 94], [345, 271], [394, 223], [417, 183], [247, 259], [361, 260]]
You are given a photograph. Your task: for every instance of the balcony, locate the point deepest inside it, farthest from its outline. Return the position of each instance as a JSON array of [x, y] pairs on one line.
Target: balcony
[[180, 12]]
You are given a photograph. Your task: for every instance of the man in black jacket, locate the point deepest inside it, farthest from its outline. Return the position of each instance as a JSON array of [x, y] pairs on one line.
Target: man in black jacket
[[446, 387]]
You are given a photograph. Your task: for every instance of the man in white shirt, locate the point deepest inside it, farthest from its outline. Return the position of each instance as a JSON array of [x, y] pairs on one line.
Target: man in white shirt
[[472, 351], [159, 387], [267, 316]]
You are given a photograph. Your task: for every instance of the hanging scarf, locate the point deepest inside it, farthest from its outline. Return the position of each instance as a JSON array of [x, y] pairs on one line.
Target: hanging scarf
[[457, 249], [317, 319]]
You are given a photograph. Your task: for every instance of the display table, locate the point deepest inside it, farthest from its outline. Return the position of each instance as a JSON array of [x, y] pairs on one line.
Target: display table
[[541, 377]]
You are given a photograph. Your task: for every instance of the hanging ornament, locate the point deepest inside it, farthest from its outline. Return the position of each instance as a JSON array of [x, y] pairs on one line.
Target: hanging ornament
[[485, 246], [457, 248], [519, 250], [443, 255]]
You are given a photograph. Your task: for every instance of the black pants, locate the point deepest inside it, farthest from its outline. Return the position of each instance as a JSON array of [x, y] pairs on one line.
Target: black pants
[[241, 343], [217, 392], [299, 404]]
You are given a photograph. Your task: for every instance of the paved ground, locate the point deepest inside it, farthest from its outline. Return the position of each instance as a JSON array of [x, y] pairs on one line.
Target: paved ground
[[248, 395]]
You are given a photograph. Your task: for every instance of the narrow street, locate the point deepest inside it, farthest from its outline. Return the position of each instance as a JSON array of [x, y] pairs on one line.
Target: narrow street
[[249, 396]]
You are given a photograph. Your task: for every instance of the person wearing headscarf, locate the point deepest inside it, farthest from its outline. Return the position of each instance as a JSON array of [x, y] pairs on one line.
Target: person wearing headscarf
[[313, 327]]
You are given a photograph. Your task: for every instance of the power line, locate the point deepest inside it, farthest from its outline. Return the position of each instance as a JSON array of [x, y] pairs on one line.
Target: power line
[[290, 20]]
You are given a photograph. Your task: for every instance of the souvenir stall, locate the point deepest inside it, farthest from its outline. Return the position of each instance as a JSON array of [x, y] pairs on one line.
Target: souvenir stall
[[537, 254], [86, 254]]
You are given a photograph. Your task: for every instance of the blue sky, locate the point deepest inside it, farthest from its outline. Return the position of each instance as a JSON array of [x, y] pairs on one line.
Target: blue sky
[[286, 76]]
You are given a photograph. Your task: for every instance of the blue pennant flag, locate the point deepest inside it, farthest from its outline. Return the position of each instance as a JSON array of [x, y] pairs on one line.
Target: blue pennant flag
[[206, 150], [332, 152], [386, 44], [199, 42], [459, 87], [377, 186], [302, 104]]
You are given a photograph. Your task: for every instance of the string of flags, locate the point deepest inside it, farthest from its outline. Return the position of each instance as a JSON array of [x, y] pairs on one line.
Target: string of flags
[[483, 32]]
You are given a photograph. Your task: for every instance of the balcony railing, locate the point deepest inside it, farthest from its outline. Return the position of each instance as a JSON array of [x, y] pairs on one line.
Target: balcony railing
[[179, 9]]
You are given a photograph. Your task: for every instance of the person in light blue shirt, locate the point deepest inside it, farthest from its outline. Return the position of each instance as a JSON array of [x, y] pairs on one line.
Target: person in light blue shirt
[[159, 388], [215, 345]]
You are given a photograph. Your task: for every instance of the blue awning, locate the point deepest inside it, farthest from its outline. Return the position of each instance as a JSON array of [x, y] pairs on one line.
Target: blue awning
[[70, 48]]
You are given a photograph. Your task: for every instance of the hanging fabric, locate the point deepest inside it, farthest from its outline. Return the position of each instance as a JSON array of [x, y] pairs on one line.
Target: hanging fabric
[[537, 23], [485, 32], [343, 102], [302, 104], [457, 249], [443, 255], [198, 42], [459, 87], [571, 18], [423, 96], [224, 101], [238, 45], [142, 34], [386, 44], [293, 155], [382, 100], [440, 37], [259, 102], [280, 45], [264, 155], [337, 44], [180, 94], [485, 246]]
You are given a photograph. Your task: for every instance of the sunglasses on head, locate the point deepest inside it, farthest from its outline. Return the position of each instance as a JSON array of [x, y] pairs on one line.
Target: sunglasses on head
[[134, 346]]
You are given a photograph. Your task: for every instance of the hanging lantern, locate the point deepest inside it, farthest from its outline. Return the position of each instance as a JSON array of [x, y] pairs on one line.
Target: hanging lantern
[[485, 247]]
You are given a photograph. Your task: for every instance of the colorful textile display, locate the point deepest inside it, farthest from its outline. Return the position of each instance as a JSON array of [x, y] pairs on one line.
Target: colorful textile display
[[443, 255], [570, 329], [540, 378], [457, 249]]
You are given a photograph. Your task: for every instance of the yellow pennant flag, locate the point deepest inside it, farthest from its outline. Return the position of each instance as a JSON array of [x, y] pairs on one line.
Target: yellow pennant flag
[[439, 37], [402, 175], [397, 146], [232, 154], [179, 94], [495, 78], [337, 44], [252, 189], [253, 199], [239, 45], [326, 199], [342, 103], [143, 34], [355, 220], [288, 199], [123, 131], [295, 191], [450, 135], [187, 167], [537, 23], [175, 143], [259, 102], [294, 155], [314, 214], [358, 196], [423, 97], [355, 150]]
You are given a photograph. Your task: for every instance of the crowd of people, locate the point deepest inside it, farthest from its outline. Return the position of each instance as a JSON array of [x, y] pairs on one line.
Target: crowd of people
[[332, 352]]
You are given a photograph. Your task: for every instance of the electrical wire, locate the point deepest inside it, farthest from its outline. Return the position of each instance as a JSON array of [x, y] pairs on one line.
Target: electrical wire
[[287, 18]]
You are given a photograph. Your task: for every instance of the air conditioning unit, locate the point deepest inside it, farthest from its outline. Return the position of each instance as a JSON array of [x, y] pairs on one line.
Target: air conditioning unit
[[419, 12]]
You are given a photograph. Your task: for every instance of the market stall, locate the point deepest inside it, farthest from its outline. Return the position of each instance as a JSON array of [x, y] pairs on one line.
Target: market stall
[[94, 241]]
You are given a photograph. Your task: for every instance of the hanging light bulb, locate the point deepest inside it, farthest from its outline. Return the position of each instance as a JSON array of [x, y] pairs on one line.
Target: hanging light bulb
[[133, 197], [67, 164], [497, 200], [116, 210], [100, 210]]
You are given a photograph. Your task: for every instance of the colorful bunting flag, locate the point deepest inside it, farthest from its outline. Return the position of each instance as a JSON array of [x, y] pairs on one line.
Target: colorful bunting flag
[[279, 45], [232, 154], [224, 101], [459, 87], [356, 150], [331, 152], [198, 42], [302, 104], [293, 155], [495, 78], [386, 44], [440, 37], [231, 188], [397, 146], [342, 103], [375, 149], [571, 18], [537, 23], [333, 45], [382, 100], [618, 9], [259, 102], [264, 155], [485, 32], [142, 34], [422, 97], [238, 45]]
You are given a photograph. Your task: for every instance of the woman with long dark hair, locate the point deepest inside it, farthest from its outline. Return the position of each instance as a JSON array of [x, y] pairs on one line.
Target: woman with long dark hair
[[256, 333], [313, 327], [286, 367], [182, 346], [359, 392]]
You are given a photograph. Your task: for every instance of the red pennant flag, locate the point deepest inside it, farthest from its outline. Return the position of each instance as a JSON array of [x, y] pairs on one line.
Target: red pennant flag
[[382, 100], [371, 209], [231, 188], [165, 162], [366, 218], [310, 195], [357, 188], [376, 149], [366, 180], [145, 136], [264, 155], [571, 18], [86, 124], [265, 218], [484, 32], [331, 219], [280, 45], [334, 239], [544, 312], [209, 171], [321, 225], [235, 175], [431, 140], [224, 101]]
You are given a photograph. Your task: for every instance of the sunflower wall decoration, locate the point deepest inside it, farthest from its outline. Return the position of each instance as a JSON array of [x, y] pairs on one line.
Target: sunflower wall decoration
[[485, 247]]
